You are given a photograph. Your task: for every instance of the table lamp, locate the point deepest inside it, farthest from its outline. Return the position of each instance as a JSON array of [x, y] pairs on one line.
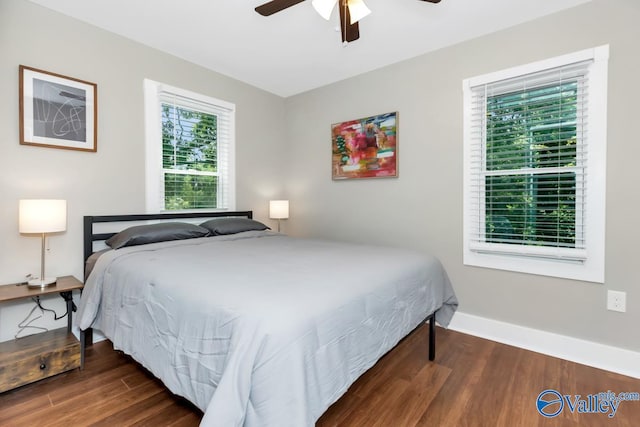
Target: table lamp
[[38, 216], [279, 209]]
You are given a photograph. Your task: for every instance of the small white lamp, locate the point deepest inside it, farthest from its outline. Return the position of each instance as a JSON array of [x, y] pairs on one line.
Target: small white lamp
[[279, 209], [42, 217]]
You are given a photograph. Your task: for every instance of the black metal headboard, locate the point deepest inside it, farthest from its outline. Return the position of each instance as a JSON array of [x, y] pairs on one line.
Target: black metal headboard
[[89, 236]]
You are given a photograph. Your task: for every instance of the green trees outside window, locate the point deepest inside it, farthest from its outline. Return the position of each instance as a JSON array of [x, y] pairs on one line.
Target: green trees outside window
[[189, 158], [533, 170]]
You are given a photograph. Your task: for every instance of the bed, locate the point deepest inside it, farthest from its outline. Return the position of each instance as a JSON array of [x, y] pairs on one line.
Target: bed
[[254, 327]]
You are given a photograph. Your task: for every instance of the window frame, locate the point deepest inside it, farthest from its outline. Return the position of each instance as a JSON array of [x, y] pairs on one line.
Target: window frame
[[154, 171], [588, 264]]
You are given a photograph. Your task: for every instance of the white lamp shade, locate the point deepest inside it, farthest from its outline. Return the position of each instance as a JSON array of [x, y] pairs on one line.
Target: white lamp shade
[[357, 10], [279, 209], [42, 216], [324, 7]]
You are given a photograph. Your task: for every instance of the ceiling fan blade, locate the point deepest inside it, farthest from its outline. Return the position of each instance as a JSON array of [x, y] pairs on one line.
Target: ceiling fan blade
[[432, 1], [350, 32], [276, 6]]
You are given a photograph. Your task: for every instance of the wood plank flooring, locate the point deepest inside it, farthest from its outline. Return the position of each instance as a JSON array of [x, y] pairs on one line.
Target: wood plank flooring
[[473, 382]]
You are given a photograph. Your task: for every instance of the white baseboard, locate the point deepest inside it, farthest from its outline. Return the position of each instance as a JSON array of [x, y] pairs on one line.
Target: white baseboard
[[97, 335], [614, 359]]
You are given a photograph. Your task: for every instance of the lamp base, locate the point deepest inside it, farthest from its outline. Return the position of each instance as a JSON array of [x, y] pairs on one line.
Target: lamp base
[[41, 283]]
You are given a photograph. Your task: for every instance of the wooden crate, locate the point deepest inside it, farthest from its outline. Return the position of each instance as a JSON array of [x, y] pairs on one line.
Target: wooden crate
[[39, 356]]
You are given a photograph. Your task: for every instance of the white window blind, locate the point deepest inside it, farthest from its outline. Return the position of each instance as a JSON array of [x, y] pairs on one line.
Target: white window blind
[[528, 145], [528, 163], [191, 150]]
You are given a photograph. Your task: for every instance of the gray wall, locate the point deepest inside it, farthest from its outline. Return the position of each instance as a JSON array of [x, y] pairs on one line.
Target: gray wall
[[422, 209], [111, 180]]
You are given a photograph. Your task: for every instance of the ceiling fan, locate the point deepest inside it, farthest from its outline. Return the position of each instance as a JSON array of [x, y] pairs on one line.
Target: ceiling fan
[[351, 11]]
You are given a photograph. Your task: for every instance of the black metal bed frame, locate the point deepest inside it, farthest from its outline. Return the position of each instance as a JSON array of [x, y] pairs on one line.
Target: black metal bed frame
[[89, 237]]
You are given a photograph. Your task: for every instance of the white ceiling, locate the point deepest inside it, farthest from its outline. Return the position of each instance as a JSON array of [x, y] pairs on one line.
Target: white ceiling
[[296, 50]]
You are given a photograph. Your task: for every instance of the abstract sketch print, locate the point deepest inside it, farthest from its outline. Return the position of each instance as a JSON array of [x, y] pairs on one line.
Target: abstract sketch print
[[59, 111]]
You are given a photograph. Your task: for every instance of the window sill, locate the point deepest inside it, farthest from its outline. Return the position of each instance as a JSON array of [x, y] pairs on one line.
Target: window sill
[[586, 270]]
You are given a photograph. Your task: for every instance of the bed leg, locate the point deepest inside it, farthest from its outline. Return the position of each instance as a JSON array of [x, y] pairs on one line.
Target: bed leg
[[432, 337], [83, 345], [86, 338]]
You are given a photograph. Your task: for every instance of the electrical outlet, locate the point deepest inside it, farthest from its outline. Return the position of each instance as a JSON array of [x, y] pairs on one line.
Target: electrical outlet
[[617, 301]]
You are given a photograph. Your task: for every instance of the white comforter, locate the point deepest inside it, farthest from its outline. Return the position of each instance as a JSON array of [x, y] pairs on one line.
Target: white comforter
[[260, 329]]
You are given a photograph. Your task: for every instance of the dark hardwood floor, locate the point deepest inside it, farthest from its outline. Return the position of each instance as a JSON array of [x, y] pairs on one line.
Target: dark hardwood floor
[[473, 382]]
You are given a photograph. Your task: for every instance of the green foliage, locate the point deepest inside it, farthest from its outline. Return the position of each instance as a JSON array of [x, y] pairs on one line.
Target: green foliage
[[189, 143], [190, 191], [529, 131]]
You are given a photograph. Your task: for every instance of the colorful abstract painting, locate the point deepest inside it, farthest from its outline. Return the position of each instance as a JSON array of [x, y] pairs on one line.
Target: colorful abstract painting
[[365, 148]]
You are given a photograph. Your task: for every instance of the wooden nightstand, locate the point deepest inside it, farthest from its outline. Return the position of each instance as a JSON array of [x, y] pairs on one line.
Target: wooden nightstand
[[39, 356]]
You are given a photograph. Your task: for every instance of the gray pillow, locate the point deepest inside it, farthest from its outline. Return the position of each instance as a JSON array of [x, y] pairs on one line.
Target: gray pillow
[[230, 225], [152, 233]]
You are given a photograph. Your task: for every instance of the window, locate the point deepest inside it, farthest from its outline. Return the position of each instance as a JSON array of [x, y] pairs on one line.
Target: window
[[535, 159], [189, 150]]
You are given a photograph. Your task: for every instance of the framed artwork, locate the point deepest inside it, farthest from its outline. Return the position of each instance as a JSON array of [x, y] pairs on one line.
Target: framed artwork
[[57, 111], [365, 148]]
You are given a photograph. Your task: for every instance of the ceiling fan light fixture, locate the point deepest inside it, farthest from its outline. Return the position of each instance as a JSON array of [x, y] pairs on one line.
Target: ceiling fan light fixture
[[357, 10], [350, 13], [324, 7]]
